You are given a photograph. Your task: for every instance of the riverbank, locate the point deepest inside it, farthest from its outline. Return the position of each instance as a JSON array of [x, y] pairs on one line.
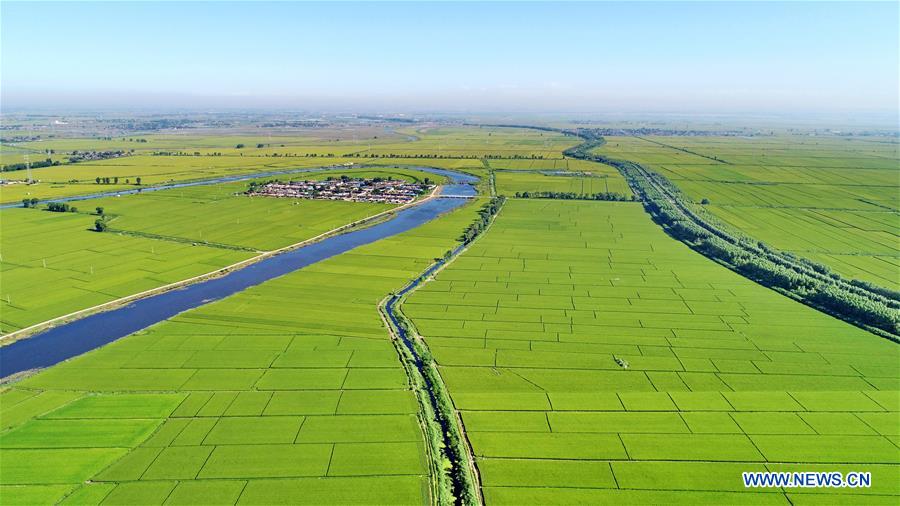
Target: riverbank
[[12, 337]]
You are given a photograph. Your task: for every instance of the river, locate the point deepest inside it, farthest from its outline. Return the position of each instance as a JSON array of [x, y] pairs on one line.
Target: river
[[74, 338], [233, 179]]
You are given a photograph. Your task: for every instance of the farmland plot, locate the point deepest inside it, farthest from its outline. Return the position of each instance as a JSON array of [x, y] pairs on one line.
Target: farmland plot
[[510, 183], [169, 235], [289, 392], [53, 264], [479, 142], [832, 200], [594, 359], [222, 214]]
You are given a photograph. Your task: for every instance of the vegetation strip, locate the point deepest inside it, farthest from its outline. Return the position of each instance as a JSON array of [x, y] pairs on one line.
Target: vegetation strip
[[183, 240], [864, 304], [683, 150], [455, 474], [32, 202]]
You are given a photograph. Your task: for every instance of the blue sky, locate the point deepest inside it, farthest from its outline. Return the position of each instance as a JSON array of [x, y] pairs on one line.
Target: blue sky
[[674, 57]]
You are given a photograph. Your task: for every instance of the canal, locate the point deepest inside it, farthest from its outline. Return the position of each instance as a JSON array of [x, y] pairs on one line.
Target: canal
[[74, 338]]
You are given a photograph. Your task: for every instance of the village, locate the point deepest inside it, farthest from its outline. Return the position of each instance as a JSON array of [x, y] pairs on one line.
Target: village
[[386, 191]]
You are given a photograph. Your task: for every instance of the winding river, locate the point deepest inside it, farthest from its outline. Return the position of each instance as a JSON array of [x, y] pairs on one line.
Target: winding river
[[227, 179], [74, 338]]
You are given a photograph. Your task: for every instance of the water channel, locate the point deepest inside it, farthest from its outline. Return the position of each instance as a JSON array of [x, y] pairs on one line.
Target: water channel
[[74, 338]]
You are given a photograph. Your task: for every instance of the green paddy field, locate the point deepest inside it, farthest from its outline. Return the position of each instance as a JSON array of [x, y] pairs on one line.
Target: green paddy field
[[288, 393], [589, 357], [594, 359], [832, 200]]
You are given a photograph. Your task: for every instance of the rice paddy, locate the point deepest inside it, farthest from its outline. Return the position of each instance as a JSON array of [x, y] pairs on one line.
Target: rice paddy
[[590, 357], [54, 264], [594, 359], [289, 392], [511, 183], [832, 200]]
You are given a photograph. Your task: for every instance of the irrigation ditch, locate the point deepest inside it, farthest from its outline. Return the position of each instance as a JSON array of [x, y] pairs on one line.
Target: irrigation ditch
[[452, 464]]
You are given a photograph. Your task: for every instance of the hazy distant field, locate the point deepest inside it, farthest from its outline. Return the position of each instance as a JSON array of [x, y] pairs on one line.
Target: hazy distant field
[[480, 142], [595, 359], [80, 178], [833, 200], [191, 157]]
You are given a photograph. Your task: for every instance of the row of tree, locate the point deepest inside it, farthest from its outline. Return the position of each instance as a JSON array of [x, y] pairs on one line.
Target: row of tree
[[485, 214], [100, 224], [769, 269], [61, 207], [34, 165], [606, 196], [115, 180], [367, 155], [813, 283]]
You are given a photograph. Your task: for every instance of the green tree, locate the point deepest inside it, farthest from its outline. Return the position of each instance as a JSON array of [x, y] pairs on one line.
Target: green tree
[[100, 225], [138, 180], [99, 211]]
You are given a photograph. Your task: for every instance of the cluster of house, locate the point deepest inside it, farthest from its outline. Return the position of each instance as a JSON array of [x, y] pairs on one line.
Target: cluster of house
[[83, 156], [389, 191]]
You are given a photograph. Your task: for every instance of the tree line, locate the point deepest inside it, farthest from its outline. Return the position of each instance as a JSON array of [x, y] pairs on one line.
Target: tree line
[[100, 224], [485, 214], [115, 180], [768, 267], [605, 196], [437, 156], [61, 207], [34, 165]]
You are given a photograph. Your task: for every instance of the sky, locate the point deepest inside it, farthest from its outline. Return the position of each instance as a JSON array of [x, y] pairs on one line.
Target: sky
[[673, 57]]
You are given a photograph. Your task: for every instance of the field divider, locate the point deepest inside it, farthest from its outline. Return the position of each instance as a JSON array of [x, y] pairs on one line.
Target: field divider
[[184, 240], [81, 313], [456, 479]]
